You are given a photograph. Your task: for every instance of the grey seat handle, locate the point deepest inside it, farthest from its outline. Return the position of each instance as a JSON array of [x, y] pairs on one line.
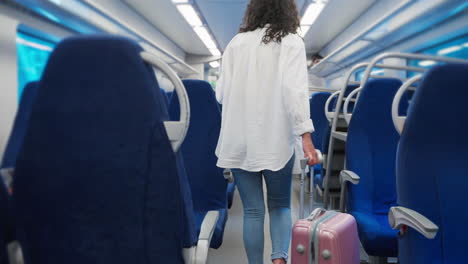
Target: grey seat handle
[[399, 121], [346, 114], [330, 114], [176, 130]]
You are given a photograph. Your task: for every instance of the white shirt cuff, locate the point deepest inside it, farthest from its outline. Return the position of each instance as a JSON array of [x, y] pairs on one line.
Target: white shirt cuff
[[304, 127]]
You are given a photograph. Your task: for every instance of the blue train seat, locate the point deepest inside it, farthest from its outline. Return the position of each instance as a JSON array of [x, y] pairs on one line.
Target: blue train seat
[[349, 89], [207, 182], [169, 95], [4, 223], [20, 125], [370, 153], [432, 168], [317, 114], [95, 178], [322, 127]]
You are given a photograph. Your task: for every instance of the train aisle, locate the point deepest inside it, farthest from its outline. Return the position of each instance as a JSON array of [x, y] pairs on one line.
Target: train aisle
[[232, 250]]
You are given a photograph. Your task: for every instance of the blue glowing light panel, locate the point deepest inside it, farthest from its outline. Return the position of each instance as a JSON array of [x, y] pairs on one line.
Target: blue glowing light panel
[[33, 54]]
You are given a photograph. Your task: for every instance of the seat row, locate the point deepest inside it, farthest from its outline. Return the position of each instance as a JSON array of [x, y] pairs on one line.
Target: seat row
[[406, 192], [97, 173]]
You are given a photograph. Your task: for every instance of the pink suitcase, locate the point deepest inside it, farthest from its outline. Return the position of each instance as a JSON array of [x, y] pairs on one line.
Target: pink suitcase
[[325, 237]]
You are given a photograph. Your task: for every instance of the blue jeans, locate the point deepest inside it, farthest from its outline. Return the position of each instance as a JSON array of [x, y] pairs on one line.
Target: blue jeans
[[250, 188]]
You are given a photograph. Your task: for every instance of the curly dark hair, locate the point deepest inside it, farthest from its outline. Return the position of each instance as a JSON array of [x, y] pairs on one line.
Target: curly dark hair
[[281, 15]]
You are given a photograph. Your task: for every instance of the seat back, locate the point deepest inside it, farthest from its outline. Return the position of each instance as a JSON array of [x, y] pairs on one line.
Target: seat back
[[371, 152], [20, 125], [432, 166], [371, 148], [96, 180], [4, 223], [317, 114], [349, 89], [206, 179]]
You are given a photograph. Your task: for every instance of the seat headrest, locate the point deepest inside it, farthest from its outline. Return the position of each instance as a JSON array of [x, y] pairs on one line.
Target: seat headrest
[[320, 96], [350, 88], [102, 68], [201, 95], [443, 95]]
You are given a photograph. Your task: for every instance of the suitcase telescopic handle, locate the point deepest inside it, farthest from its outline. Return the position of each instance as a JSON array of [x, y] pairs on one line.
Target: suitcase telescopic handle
[[303, 176], [306, 160]]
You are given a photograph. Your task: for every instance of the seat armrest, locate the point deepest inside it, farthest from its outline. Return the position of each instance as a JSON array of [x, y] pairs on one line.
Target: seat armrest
[[204, 239], [345, 177], [15, 253], [7, 175], [399, 217], [189, 254], [349, 176], [228, 175]]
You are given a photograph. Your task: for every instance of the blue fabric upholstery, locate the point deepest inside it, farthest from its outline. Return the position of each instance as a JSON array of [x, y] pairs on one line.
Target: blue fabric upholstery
[[169, 95], [326, 140], [319, 175], [322, 127], [4, 223], [209, 188], [349, 89], [20, 125], [165, 96], [317, 114], [95, 180], [190, 227], [370, 152], [432, 167]]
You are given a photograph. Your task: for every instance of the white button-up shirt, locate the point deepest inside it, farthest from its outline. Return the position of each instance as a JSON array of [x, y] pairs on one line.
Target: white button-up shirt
[[264, 92]]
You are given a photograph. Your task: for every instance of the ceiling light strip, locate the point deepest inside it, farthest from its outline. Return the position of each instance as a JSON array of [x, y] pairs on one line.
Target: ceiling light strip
[[311, 14], [188, 11]]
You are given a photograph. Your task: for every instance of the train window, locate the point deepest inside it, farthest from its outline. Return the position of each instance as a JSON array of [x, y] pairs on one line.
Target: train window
[[33, 53], [454, 48], [359, 74]]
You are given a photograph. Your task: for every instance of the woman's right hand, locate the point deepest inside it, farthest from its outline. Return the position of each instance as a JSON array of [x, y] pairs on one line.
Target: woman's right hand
[[309, 149]]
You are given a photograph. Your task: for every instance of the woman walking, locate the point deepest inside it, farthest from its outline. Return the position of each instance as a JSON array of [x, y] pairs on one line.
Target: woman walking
[[263, 88]]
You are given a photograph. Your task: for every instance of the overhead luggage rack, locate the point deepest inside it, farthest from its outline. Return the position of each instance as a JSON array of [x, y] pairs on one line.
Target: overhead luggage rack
[[338, 129]]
